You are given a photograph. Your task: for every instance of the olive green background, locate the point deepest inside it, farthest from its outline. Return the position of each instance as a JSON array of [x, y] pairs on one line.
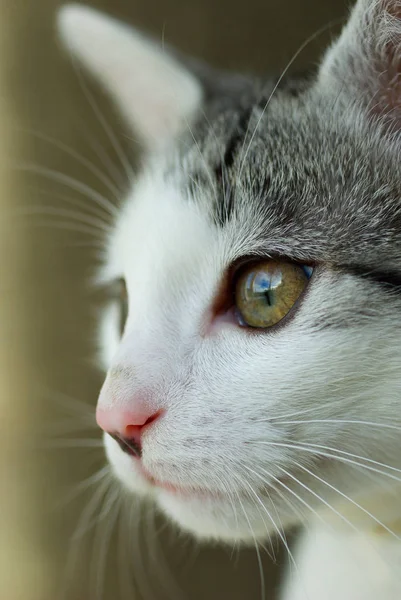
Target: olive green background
[[48, 309]]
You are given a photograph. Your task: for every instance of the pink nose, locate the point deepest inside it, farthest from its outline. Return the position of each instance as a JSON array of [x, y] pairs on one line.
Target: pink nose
[[127, 427]]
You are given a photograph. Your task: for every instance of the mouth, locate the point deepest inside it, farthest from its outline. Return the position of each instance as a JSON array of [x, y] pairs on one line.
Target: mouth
[[189, 492]]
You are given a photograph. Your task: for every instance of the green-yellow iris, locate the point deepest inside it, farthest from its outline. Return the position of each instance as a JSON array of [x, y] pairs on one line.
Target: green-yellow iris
[[267, 290]]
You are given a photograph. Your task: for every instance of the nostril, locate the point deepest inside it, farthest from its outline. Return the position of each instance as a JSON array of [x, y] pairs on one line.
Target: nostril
[[150, 420], [129, 446], [129, 439], [153, 418], [135, 430]]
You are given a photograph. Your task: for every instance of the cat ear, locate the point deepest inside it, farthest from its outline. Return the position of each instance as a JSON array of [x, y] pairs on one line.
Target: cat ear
[[365, 62], [156, 95]]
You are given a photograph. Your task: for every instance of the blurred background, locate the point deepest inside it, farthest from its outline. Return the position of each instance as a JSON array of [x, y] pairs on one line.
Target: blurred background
[[61, 536]]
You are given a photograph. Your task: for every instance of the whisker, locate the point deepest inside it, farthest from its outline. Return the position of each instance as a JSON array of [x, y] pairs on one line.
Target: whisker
[[72, 183], [318, 497], [223, 167], [159, 560], [75, 543], [70, 403], [271, 554], [124, 553], [62, 212], [107, 162], [207, 168], [79, 158], [259, 558], [71, 425], [326, 455], [74, 443], [86, 522], [85, 484], [345, 422], [84, 206], [226, 487], [281, 534], [292, 492], [66, 226], [343, 452], [100, 117], [287, 415], [280, 79], [101, 545], [327, 504], [141, 579], [353, 502]]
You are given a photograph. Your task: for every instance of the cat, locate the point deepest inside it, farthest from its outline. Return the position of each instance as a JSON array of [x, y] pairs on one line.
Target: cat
[[255, 382]]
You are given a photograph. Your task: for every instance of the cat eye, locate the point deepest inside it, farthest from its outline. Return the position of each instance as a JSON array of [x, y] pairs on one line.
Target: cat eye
[[266, 291], [123, 301]]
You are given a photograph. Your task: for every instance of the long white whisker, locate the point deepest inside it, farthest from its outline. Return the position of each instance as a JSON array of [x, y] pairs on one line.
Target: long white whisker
[[85, 522], [350, 454], [281, 535], [107, 162], [79, 158], [160, 560], [62, 212], [101, 544], [346, 422], [124, 552], [66, 226], [207, 169], [317, 453], [318, 497], [86, 207], [283, 74], [223, 166], [76, 538], [72, 183], [85, 484], [293, 493], [141, 571], [327, 504], [74, 443], [259, 558], [100, 117], [69, 403], [70, 425], [332, 487]]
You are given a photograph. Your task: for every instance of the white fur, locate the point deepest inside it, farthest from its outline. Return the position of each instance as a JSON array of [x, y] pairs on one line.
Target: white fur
[[334, 565], [171, 285], [229, 396]]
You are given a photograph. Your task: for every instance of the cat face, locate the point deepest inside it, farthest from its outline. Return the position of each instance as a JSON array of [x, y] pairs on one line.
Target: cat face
[[240, 410]]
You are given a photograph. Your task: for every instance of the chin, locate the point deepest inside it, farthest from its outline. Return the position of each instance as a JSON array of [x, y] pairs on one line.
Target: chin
[[207, 520], [216, 518], [205, 514]]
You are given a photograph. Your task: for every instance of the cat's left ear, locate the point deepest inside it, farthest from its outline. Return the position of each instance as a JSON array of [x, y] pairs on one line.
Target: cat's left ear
[[364, 64], [155, 93]]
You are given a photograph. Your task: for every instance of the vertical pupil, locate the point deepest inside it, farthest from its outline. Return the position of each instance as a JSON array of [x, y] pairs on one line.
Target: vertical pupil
[[268, 298]]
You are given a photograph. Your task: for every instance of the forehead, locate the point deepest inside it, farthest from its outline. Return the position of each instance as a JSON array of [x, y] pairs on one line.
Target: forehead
[[323, 182], [285, 175], [163, 231]]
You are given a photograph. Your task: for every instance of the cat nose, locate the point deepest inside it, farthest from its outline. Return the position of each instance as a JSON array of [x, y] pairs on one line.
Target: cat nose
[[127, 426]]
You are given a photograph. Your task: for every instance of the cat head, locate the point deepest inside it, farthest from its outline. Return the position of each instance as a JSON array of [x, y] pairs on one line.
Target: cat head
[[260, 247]]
